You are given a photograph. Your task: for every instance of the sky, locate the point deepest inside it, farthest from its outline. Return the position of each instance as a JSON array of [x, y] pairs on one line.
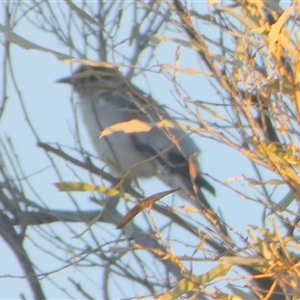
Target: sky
[[49, 108]]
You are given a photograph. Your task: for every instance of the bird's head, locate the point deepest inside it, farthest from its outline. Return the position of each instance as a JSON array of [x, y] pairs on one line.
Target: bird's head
[[87, 78]]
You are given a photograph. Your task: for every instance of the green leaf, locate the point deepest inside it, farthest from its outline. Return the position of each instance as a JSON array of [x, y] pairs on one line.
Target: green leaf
[[244, 261], [82, 14], [23, 43], [86, 187], [187, 284]]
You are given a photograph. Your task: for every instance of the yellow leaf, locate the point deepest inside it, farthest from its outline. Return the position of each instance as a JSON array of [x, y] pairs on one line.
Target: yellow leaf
[[187, 284], [172, 125], [86, 187], [277, 27], [132, 126], [135, 125]]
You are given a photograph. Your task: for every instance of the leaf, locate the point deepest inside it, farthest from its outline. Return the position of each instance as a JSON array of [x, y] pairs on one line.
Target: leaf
[[135, 32], [184, 71], [173, 125], [187, 284], [276, 28], [212, 2], [245, 261], [250, 24], [239, 294], [281, 85], [23, 43], [158, 39], [240, 53], [135, 126], [147, 202], [86, 187], [210, 111], [193, 173], [131, 126], [177, 62], [266, 250], [286, 200], [253, 181], [82, 14], [281, 156]]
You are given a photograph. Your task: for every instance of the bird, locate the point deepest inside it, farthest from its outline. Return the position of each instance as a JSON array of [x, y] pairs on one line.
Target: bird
[[107, 98]]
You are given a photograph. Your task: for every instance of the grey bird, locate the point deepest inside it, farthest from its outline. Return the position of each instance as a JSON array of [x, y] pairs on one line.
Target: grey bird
[[106, 98]]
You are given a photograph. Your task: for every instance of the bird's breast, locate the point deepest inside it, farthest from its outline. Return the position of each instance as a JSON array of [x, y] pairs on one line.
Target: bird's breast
[[117, 149]]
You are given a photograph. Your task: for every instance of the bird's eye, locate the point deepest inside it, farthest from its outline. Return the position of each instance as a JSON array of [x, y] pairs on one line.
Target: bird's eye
[[88, 79]]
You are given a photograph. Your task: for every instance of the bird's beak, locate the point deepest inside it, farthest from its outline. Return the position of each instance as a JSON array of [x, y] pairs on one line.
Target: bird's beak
[[64, 80]]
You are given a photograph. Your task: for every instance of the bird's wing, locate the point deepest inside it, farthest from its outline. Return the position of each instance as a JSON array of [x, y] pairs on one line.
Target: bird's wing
[[172, 159], [170, 148]]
